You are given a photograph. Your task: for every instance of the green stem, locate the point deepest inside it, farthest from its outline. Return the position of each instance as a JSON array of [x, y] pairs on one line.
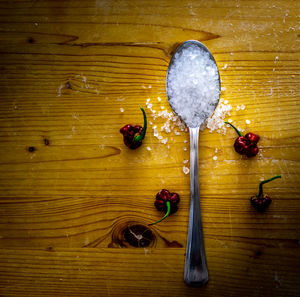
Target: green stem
[[237, 131], [141, 136], [168, 203], [264, 182]]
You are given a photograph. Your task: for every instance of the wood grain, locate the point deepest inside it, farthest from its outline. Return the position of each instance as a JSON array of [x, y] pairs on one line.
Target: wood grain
[[68, 185]]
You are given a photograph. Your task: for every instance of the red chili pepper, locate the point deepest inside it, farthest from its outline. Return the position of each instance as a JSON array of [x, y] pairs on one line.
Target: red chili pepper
[[261, 201], [167, 202], [133, 135], [245, 145]]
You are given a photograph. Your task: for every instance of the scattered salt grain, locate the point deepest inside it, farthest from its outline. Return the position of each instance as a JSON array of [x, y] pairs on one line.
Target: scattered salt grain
[[248, 122], [150, 87], [226, 102], [122, 109], [168, 147], [216, 150], [215, 158], [243, 107], [148, 148], [185, 149], [223, 89], [225, 66], [193, 85], [229, 121], [162, 107], [216, 121], [185, 141], [158, 99], [160, 137], [238, 108], [185, 161], [186, 170]]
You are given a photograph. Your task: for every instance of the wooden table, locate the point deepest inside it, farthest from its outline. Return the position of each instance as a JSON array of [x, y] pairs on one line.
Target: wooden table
[[69, 186]]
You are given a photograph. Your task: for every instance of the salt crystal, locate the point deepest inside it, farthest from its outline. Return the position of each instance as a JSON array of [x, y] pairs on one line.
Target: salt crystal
[[223, 89], [122, 109], [215, 158], [150, 87], [162, 107], [229, 121], [149, 105], [238, 108], [248, 122], [216, 150], [158, 99], [168, 147], [225, 66], [185, 161], [185, 149], [148, 148], [186, 170], [150, 123], [185, 141], [160, 137], [242, 107], [226, 102]]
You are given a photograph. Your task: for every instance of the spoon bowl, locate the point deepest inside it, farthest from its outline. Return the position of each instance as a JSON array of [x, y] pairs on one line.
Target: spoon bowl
[[193, 90]]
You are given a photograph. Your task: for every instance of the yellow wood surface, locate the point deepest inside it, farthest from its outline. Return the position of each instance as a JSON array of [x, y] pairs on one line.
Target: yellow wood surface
[[67, 67]]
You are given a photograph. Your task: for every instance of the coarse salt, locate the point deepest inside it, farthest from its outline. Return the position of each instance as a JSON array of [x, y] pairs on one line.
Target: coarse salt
[[248, 122], [225, 66], [148, 148], [193, 85], [215, 158], [122, 109], [186, 170]]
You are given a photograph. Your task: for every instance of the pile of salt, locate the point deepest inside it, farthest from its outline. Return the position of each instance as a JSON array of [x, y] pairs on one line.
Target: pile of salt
[[193, 85]]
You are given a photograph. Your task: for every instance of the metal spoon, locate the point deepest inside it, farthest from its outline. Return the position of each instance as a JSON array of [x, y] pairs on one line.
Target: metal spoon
[[195, 269]]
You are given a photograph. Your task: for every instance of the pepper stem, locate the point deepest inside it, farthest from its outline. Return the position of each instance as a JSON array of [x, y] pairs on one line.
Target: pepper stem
[[142, 135], [237, 131], [168, 203], [264, 182]]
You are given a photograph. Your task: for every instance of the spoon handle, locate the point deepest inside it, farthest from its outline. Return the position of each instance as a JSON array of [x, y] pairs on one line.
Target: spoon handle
[[195, 269]]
